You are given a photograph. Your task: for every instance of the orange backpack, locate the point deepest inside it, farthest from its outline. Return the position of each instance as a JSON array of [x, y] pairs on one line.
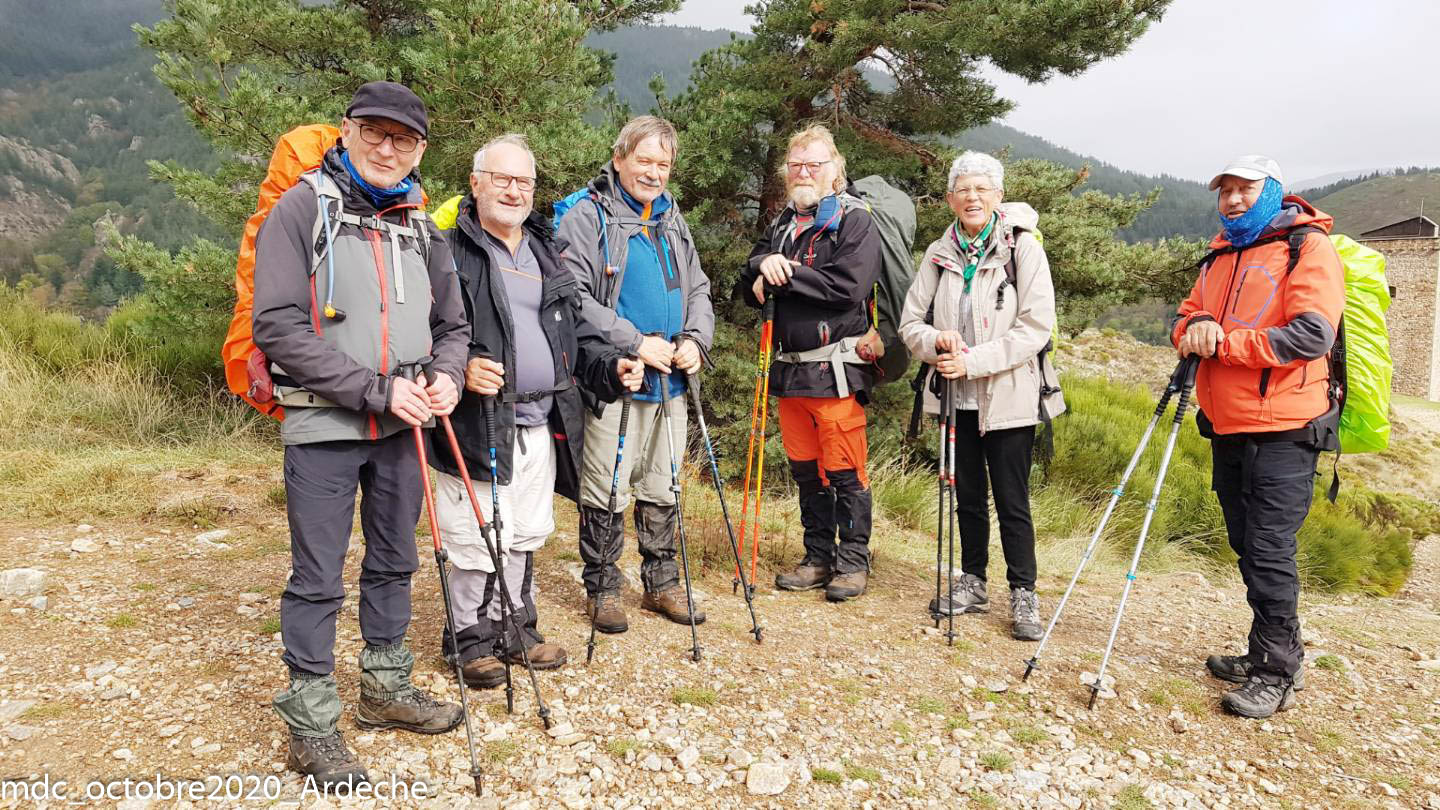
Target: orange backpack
[[247, 371]]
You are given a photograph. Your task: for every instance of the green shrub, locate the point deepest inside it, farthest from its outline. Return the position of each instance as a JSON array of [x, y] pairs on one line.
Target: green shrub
[[1360, 543]]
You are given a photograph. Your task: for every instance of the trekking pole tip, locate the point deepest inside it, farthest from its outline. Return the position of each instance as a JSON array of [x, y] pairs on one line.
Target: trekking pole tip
[[479, 782], [1094, 693], [1029, 668]]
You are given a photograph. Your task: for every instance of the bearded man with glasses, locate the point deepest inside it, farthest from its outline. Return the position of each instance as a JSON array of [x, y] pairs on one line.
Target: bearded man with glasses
[[819, 260]]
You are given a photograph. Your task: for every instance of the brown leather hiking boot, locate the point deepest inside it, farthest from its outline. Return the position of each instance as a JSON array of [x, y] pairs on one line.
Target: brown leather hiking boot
[[606, 610], [485, 672], [412, 710], [804, 577], [542, 656], [847, 586], [325, 758], [670, 603]]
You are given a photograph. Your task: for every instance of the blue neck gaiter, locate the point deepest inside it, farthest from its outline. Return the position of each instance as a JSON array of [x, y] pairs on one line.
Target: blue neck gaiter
[[1246, 228], [382, 197]]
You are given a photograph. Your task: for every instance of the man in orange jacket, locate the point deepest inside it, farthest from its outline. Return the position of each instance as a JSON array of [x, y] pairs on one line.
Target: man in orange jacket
[[1263, 315]]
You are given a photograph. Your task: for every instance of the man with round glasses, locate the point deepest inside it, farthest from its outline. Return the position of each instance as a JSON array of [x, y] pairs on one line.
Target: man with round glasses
[[819, 260]]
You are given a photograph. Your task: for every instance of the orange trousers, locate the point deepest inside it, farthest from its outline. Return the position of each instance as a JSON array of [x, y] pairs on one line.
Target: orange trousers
[[828, 431]]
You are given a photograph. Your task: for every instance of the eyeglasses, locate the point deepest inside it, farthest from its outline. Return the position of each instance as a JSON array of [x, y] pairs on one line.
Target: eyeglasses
[[499, 180], [811, 167], [402, 142], [980, 191]]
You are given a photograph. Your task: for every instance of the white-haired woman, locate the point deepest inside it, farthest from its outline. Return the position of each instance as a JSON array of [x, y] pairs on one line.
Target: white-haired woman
[[980, 311]]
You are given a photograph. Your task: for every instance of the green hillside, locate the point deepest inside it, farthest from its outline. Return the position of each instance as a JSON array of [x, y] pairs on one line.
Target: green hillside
[[1382, 200]]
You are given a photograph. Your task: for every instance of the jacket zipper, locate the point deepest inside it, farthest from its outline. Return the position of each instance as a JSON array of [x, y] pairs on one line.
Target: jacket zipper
[[1230, 287], [1264, 382], [379, 253]]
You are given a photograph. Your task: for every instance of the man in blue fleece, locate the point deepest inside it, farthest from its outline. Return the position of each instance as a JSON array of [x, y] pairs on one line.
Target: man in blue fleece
[[642, 286]]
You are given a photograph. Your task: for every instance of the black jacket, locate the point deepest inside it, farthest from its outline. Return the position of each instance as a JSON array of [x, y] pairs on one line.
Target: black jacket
[[826, 299], [582, 357]]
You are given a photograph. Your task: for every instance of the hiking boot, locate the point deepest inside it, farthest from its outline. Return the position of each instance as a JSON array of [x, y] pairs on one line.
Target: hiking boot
[[607, 612], [671, 604], [485, 672], [1236, 669], [847, 586], [411, 710], [1025, 615], [968, 596], [542, 656], [325, 758], [804, 577], [1262, 695]]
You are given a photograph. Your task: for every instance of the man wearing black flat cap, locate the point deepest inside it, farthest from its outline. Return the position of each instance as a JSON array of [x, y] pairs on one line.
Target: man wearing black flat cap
[[354, 287]]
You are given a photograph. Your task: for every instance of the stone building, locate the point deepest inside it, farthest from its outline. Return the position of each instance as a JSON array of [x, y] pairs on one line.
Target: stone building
[[1412, 269]]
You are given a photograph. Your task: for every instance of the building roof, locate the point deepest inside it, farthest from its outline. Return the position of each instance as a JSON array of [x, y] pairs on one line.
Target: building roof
[[1417, 227]]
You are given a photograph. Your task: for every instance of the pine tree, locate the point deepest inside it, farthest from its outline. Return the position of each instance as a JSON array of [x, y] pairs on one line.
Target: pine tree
[[246, 71], [895, 80]]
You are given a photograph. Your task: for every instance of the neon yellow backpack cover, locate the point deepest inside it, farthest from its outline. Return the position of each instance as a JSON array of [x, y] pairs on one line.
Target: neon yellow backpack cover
[[1365, 421], [444, 216]]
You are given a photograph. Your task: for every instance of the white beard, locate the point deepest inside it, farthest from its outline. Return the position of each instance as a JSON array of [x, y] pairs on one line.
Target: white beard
[[804, 197], [505, 217]]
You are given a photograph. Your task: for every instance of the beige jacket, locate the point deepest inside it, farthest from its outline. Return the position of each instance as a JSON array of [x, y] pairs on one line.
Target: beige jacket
[[1005, 358]]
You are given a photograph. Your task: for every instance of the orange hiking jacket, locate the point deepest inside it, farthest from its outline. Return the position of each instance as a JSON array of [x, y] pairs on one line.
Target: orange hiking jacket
[[1271, 371]]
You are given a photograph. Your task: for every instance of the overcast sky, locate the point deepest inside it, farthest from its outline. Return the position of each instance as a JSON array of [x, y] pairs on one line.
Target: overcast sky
[[1322, 86]]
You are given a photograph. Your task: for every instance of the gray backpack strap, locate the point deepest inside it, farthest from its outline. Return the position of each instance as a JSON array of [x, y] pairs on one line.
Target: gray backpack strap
[[328, 203]]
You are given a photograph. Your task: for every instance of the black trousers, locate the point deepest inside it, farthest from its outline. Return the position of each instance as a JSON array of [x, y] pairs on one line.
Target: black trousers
[[320, 483], [1001, 460], [1265, 490]]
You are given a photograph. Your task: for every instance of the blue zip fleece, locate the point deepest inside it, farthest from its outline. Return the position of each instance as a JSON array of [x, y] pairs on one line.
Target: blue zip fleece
[[651, 297]]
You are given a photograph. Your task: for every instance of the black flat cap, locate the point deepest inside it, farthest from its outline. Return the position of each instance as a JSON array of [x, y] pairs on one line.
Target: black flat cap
[[390, 100]]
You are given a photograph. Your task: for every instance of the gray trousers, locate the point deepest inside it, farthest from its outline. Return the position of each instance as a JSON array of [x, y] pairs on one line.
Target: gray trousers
[[645, 473], [475, 598], [320, 484]]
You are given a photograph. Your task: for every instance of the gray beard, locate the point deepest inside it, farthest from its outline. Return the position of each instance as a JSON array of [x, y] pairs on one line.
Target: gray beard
[[804, 197]]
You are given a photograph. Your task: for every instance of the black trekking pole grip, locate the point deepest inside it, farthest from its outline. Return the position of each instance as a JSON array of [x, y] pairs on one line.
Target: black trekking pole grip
[[1189, 368]]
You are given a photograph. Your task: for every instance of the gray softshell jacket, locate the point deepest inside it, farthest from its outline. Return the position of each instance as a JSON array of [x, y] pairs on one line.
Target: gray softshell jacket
[[398, 308], [584, 245], [1011, 325]]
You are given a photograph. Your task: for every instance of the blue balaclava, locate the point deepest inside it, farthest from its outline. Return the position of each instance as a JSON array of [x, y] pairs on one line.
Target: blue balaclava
[[1246, 228]]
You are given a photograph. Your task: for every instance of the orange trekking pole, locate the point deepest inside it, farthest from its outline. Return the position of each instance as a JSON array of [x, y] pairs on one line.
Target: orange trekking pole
[[759, 410]]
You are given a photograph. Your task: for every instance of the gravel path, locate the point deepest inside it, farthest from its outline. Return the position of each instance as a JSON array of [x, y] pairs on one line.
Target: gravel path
[[156, 651]]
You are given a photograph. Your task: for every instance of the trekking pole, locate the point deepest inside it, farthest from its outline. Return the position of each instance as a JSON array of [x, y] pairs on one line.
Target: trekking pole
[[694, 383], [1188, 367], [767, 336], [625, 401], [950, 488], [441, 556], [1170, 390], [760, 374], [507, 604], [679, 511], [943, 420]]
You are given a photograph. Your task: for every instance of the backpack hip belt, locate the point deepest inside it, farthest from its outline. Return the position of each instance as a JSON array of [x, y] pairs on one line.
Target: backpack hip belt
[[837, 354]]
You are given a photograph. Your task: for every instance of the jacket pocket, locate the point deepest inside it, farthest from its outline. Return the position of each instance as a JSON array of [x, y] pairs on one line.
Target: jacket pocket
[[1256, 293]]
